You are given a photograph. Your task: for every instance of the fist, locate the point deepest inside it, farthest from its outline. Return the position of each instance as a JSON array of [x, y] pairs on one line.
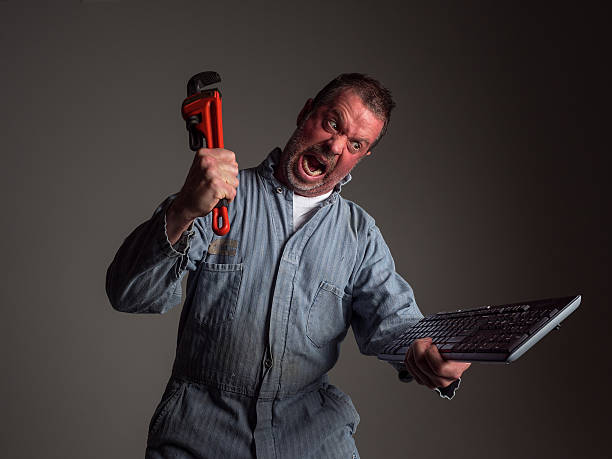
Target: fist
[[429, 368], [213, 176]]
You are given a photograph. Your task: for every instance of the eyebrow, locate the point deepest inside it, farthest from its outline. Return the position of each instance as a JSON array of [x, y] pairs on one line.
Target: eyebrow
[[342, 120]]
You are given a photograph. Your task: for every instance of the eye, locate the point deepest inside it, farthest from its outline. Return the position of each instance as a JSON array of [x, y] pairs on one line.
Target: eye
[[332, 124], [355, 146]]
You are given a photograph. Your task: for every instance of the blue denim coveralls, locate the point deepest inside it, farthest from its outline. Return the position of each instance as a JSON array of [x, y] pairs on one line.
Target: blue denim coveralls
[[265, 311]]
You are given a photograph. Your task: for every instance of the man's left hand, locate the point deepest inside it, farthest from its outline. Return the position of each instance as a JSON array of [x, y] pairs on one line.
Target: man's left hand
[[429, 368]]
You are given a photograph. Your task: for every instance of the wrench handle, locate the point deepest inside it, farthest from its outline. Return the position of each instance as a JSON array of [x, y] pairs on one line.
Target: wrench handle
[[220, 220]]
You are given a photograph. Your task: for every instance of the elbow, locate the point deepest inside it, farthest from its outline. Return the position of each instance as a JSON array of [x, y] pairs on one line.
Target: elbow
[[117, 301], [140, 294], [116, 293], [127, 304], [132, 300]]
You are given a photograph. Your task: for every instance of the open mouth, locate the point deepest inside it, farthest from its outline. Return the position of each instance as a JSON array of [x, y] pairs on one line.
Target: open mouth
[[312, 166]]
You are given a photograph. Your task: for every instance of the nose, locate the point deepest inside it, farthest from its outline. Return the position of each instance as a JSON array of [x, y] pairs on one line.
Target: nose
[[336, 144]]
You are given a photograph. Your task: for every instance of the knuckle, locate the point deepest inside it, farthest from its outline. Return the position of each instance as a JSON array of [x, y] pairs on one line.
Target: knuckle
[[420, 361], [213, 174], [207, 161], [436, 367], [446, 367], [420, 349], [203, 153]]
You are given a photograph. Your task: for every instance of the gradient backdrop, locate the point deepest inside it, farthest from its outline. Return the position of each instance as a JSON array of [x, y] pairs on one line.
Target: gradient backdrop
[[491, 187]]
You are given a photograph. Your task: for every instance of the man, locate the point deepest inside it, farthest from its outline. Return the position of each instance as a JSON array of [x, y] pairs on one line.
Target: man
[[268, 304]]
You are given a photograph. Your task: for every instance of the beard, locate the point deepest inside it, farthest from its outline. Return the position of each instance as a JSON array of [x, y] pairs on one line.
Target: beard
[[289, 164]]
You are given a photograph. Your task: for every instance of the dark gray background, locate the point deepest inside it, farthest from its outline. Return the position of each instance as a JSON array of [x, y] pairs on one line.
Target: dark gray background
[[490, 187]]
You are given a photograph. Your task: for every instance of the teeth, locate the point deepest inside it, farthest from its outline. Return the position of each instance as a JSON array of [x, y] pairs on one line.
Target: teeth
[[308, 170]]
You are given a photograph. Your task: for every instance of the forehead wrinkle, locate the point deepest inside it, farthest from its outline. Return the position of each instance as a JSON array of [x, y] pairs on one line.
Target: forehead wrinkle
[[338, 110]]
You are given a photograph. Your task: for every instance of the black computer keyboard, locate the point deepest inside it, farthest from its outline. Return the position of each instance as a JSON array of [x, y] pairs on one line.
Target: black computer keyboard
[[486, 334]]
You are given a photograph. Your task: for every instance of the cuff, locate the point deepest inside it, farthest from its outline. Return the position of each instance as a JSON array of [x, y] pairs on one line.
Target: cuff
[[402, 374], [180, 247], [448, 392]]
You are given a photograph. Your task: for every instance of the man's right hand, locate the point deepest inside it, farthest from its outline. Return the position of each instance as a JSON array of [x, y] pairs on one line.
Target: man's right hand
[[213, 176]]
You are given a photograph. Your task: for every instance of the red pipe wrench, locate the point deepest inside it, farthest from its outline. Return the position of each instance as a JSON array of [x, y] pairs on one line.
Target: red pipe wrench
[[202, 112]]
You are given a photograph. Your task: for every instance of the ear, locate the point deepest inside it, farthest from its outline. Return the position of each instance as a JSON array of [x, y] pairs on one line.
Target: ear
[[304, 112]]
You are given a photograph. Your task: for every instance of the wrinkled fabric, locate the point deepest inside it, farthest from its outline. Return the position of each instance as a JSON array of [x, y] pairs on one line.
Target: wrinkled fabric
[[265, 311]]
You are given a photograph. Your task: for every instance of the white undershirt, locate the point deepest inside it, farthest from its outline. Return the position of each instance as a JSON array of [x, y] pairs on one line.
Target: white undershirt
[[304, 208]]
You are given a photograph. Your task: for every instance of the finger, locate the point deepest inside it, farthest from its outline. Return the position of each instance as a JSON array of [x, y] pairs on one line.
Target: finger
[[226, 172], [411, 367], [217, 152], [228, 168], [448, 370], [442, 371], [222, 190], [227, 192], [216, 158], [222, 155], [430, 366], [231, 181], [217, 177], [418, 363], [419, 349]]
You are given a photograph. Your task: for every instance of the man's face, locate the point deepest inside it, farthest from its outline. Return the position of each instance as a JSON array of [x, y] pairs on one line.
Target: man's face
[[328, 144]]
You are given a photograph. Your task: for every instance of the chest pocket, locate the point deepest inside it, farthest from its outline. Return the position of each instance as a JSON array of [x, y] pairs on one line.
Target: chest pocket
[[328, 315], [217, 293]]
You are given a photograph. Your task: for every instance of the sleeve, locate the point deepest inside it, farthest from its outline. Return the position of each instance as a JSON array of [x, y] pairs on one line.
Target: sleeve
[[384, 305], [145, 275], [383, 302]]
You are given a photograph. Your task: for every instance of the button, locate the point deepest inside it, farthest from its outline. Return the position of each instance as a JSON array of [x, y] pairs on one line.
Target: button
[[279, 190], [268, 362]]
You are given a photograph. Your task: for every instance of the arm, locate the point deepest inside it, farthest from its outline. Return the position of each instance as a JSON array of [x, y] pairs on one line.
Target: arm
[[383, 302], [383, 306], [145, 276]]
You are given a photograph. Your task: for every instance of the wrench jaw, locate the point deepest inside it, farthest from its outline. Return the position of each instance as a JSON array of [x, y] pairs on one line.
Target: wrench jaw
[[198, 82], [203, 118]]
